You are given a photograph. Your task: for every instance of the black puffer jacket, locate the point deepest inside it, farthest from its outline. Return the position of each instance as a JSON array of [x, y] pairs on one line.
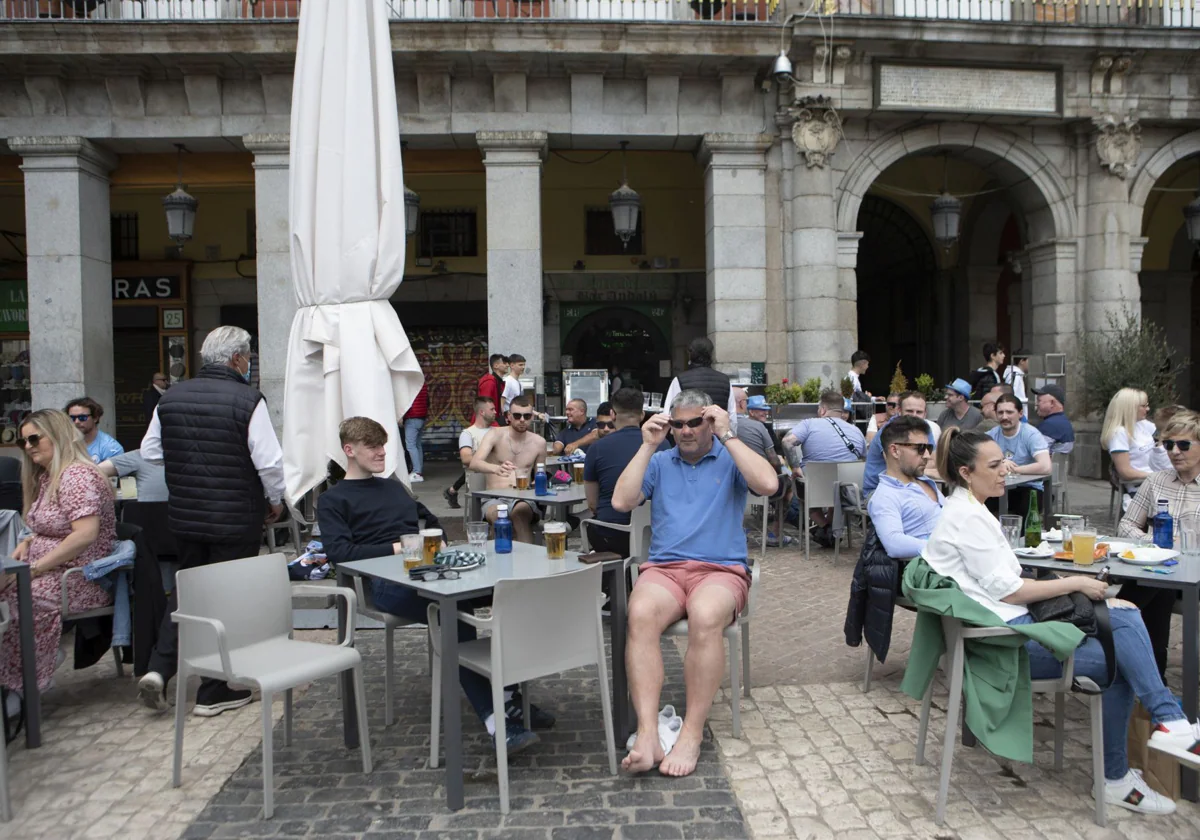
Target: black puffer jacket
[[873, 591]]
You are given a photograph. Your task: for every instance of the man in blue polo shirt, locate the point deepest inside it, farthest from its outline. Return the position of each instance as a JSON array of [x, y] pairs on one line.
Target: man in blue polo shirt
[[1055, 427], [697, 565]]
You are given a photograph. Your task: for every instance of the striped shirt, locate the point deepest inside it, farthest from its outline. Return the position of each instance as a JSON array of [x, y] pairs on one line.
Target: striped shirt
[[1182, 499]]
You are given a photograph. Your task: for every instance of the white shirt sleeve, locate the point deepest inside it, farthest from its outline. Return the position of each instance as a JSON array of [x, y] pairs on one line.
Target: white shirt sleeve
[[151, 447], [732, 410], [265, 452]]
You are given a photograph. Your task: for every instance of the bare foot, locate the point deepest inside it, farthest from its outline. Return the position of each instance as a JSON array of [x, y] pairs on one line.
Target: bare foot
[[681, 761], [646, 753]]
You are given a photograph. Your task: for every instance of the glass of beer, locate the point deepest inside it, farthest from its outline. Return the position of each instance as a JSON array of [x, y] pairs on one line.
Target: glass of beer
[[1068, 523], [522, 478], [1083, 539], [556, 540], [431, 544], [577, 472], [410, 548]]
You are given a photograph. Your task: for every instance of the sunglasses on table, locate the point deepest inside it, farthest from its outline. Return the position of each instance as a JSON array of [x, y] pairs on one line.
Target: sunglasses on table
[[520, 416], [922, 448], [694, 423], [32, 441], [604, 424], [81, 418], [1184, 445]]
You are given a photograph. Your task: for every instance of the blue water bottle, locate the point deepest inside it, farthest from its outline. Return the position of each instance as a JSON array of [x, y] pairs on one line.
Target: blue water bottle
[[1164, 526], [503, 528], [541, 482]]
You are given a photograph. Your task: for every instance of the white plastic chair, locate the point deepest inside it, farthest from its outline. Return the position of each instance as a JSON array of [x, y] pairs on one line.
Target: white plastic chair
[[954, 661], [526, 642], [850, 478], [390, 621], [5, 802], [638, 530], [764, 503], [903, 603], [235, 624], [473, 507], [820, 491], [1061, 472]]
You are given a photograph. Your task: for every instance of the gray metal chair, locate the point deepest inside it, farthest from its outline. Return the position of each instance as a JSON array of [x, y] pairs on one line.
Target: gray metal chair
[[1060, 467], [67, 615], [903, 603]]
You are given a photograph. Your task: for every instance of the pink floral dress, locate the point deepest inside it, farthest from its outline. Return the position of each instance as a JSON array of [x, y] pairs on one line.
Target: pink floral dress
[[82, 492]]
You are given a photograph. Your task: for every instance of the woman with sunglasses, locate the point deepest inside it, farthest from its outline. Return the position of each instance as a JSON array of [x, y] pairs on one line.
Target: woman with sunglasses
[[968, 546], [68, 505], [1178, 485]]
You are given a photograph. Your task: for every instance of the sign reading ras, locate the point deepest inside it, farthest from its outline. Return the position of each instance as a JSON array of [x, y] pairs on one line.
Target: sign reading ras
[[147, 288]]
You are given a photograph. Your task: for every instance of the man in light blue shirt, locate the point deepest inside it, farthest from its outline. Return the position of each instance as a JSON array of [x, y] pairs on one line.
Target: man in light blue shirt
[[906, 505], [85, 413], [912, 404], [697, 563], [828, 437], [1025, 453]]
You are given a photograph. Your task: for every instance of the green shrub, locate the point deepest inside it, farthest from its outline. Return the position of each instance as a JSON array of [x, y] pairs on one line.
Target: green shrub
[[926, 387], [782, 394], [847, 387], [1132, 353], [810, 391]]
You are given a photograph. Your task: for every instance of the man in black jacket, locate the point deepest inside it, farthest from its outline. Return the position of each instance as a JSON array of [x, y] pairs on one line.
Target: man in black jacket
[[224, 470], [701, 376]]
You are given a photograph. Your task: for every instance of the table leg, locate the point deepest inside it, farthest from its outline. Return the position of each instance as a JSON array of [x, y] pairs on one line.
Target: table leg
[[32, 698], [349, 707], [622, 718], [452, 706], [1191, 674], [1048, 497]]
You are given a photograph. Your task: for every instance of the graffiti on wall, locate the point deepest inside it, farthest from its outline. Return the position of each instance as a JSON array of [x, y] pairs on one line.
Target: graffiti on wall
[[452, 359]]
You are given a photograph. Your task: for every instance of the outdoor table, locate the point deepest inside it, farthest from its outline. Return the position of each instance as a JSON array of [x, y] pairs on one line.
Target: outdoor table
[[560, 503], [526, 562], [1185, 579], [1014, 480], [32, 699]]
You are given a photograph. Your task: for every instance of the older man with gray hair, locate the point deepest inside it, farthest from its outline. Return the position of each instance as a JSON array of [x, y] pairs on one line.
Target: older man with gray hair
[[696, 567], [224, 470]]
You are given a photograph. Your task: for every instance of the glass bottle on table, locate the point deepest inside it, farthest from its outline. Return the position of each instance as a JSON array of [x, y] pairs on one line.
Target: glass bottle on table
[[504, 531], [1033, 523]]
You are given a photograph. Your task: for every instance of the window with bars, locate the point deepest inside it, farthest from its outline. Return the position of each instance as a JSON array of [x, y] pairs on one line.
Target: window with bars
[[123, 231], [448, 232], [601, 237]]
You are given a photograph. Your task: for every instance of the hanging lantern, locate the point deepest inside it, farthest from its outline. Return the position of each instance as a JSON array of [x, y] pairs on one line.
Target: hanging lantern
[[412, 211], [625, 205], [1191, 219], [947, 215], [180, 207]]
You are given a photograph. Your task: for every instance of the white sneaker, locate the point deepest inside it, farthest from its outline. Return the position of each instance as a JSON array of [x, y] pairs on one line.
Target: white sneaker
[[12, 705], [415, 477], [152, 691], [1182, 743], [1133, 794]]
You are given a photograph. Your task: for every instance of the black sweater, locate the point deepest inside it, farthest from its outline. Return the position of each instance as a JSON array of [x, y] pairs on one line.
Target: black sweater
[[363, 518]]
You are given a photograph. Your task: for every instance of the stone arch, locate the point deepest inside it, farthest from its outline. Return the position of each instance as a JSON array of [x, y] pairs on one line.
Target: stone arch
[[1038, 188], [1181, 147]]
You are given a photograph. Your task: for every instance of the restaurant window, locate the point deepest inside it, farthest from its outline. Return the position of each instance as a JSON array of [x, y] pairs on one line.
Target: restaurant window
[[601, 238], [448, 232], [123, 230]]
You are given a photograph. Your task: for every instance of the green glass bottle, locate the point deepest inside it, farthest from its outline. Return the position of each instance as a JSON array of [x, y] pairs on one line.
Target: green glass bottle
[[1033, 523]]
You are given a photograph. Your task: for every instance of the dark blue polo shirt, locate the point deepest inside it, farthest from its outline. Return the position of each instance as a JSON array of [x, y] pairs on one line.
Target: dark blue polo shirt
[[570, 434]]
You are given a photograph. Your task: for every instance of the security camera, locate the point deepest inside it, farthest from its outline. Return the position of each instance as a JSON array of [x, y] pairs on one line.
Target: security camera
[[782, 71]]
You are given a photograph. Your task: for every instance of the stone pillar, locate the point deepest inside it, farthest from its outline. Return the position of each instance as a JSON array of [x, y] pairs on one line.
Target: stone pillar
[[735, 217], [822, 322], [513, 162], [69, 269], [1111, 286], [983, 290], [1049, 276], [276, 294]]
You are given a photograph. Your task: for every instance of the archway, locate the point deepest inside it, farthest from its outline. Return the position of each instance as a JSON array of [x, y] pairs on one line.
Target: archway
[[622, 336]]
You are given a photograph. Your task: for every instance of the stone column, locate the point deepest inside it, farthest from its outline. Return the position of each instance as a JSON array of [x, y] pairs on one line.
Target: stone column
[[69, 270], [1051, 317], [735, 217], [1111, 286], [982, 284], [821, 321], [513, 162], [276, 294]]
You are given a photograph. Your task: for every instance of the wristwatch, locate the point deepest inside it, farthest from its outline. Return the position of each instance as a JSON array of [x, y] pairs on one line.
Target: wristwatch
[[725, 437]]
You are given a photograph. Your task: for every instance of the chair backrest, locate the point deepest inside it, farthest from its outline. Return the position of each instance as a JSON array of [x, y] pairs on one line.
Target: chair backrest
[[639, 537], [251, 597], [851, 472], [1113, 478], [476, 481], [529, 619], [819, 484]]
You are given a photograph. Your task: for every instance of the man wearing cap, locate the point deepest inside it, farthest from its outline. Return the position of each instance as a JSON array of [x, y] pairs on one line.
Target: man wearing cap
[[959, 412], [1055, 427], [753, 432]]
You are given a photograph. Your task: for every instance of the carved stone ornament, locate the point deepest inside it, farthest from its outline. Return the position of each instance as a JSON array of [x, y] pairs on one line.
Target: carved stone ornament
[[1118, 143], [816, 131]]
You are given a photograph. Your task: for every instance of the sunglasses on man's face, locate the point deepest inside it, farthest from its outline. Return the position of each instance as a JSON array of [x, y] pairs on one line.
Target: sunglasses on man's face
[[1184, 445], [605, 424], [519, 416], [694, 423], [31, 441], [81, 418], [892, 404], [922, 448]]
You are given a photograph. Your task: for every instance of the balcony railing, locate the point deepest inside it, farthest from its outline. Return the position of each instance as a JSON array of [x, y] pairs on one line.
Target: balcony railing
[[1148, 13], [726, 11]]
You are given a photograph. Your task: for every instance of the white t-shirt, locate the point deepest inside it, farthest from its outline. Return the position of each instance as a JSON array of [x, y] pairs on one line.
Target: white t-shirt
[[873, 425], [854, 381], [512, 390], [1015, 377], [472, 436], [1140, 449]]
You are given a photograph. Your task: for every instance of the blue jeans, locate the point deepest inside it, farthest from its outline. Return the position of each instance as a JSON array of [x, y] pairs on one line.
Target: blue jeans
[[404, 602], [414, 442], [1136, 676]]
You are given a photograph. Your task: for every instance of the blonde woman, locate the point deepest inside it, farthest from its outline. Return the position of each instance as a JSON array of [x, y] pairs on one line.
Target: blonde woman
[[68, 505], [1129, 436]]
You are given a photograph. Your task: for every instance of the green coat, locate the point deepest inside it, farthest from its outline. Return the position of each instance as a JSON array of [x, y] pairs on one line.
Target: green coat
[[996, 682]]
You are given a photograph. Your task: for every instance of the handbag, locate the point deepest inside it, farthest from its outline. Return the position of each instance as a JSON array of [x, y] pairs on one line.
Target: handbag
[[1089, 616]]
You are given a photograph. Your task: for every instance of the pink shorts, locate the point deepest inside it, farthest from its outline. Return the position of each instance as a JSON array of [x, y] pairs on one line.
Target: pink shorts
[[682, 578]]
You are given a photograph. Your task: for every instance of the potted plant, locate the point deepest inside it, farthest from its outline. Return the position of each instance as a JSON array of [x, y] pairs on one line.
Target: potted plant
[[782, 394], [926, 387], [810, 391], [899, 383]]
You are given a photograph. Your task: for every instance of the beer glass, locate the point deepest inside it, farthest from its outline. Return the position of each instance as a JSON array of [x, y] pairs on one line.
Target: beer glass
[[522, 478], [577, 472], [556, 540], [431, 544], [1083, 543], [410, 548]]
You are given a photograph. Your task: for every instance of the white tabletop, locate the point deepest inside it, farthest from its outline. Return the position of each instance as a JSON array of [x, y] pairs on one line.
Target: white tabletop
[[1186, 573], [525, 562]]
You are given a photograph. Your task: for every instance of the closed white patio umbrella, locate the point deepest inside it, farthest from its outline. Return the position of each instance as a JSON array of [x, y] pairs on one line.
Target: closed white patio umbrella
[[347, 354]]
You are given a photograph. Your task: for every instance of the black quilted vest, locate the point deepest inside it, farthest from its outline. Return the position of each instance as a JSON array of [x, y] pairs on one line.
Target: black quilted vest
[[215, 492], [712, 382]]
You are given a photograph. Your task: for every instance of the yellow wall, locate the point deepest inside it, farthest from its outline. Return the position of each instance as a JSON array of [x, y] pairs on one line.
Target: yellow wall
[[1163, 214]]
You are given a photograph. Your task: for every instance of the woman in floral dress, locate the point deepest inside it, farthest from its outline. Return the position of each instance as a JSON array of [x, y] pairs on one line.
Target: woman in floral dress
[[68, 505]]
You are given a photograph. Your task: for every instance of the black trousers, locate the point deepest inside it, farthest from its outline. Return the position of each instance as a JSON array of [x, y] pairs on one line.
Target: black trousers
[[164, 659]]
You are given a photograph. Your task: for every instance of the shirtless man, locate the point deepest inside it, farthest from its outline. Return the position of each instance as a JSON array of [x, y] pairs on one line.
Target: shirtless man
[[505, 450]]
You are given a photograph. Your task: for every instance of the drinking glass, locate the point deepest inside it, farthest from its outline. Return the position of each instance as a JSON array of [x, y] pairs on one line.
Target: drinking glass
[[1083, 546], [1011, 526], [1069, 523], [431, 544], [410, 549], [523, 478], [556, 539], [477, 535], [577, 472], [1189, 535]]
